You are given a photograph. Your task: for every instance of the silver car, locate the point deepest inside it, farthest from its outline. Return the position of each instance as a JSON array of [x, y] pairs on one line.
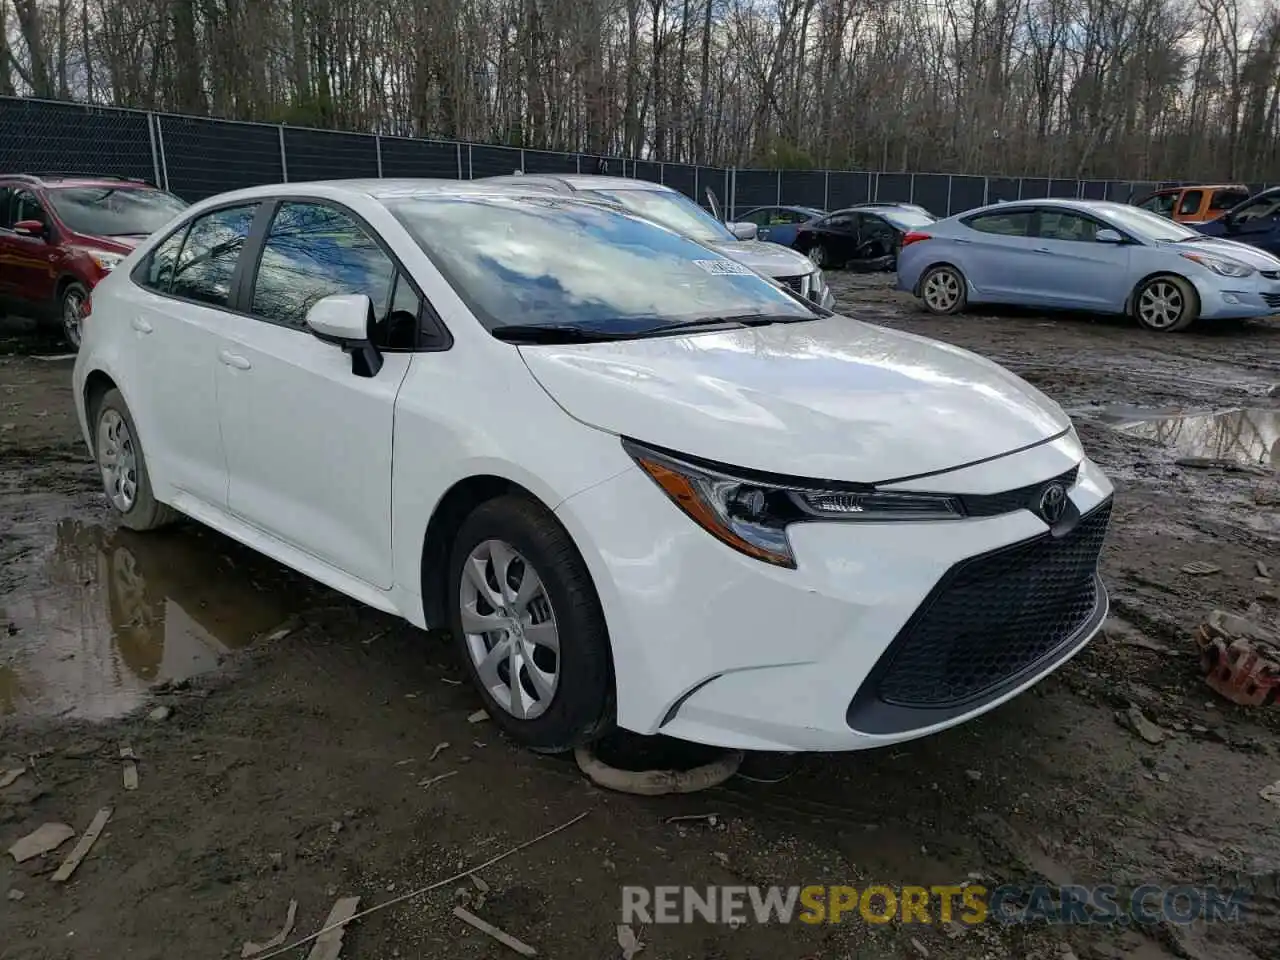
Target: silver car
[[1087, 255], [673, 210]]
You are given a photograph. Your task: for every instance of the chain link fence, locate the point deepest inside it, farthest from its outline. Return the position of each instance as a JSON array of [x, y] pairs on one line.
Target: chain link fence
[[196, 157]]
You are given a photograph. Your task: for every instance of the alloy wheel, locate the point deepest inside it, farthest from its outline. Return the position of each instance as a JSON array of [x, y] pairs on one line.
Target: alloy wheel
[[118, 460], [941, 291], [818, 255], [72, 315], [510, 629], [1161, 304]]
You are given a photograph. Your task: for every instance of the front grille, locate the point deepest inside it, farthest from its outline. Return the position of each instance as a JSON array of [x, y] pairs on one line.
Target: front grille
[[1270, 274], [993, 617], [1028, 497], [801, 286], [1272, 299]]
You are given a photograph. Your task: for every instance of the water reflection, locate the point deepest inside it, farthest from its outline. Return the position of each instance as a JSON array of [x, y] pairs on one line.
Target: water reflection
[[1242, 435], [101, 614]]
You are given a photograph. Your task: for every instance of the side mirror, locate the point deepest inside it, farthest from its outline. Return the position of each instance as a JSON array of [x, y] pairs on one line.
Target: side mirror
[[29, 228], [744, 231], [347, 320], [1107, 235]]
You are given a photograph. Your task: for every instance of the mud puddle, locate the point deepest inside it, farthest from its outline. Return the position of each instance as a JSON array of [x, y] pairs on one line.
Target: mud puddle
[[1242, 435], [96, 615]]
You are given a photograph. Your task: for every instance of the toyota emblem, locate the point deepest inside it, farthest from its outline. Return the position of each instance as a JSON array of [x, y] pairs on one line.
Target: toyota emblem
[[1053, 503]]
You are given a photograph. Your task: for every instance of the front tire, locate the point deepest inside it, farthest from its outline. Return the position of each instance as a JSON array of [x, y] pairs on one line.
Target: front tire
[[71, 313], [943, 290], [819, 257], [1166, 304], [123, 467], [529, 626]]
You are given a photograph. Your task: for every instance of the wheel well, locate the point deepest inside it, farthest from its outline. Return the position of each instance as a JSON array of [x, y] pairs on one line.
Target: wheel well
[[454, 507], [96, 386], [64, 282], [1133, 293]]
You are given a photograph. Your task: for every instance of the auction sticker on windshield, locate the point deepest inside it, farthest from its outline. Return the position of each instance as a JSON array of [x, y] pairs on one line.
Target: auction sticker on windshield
[[723, 268]]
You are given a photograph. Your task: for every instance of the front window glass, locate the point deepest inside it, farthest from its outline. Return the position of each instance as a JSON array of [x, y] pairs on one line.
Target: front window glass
[[551, 261], [115, 211], [1060, 225], [1143, 224], [1226, 199], [1260, 208], [673, 210]]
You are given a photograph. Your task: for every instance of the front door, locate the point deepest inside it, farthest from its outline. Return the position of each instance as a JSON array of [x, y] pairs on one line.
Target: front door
[[1257, 222], [1074, 269], [308, 441], [27, 262]]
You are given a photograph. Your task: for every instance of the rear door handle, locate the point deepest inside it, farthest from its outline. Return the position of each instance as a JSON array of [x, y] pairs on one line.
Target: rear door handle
[[1043, 250], [234, 360], [141, 325], [961, 240]]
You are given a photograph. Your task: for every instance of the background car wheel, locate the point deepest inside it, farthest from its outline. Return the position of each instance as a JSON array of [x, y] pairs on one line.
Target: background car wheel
[[123, 467], [529, 626], [943, 290], [71, 312], [1166, 304], [818, 254]]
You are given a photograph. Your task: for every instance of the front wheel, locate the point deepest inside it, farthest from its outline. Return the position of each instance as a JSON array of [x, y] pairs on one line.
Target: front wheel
[[71, 311], [942, 290], [123, 467], [819, 256], [1166, 304], [529, 626]]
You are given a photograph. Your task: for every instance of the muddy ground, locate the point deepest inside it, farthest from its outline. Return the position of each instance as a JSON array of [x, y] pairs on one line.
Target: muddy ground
[[299, 766]]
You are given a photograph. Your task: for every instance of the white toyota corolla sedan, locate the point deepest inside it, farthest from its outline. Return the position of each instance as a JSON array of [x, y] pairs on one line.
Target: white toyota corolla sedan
[[641, 484]]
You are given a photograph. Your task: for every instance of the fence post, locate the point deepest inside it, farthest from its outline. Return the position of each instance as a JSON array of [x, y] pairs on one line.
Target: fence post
[[778, 202], [471, 167], [949, 179], [826, 189], [164, 162], [457, 148], [662, 173], [522, 159], [875, 186], [284, 161], [1019, 188], [577, 159], [986, 191], [912, 189], [155, 155], [728, 196], [377, 145]]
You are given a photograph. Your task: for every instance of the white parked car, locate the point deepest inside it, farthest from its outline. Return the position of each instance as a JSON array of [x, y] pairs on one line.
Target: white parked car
[[642, 484]]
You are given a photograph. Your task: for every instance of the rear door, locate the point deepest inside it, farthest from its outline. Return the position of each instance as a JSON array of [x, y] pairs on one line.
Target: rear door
[[876, 243], [994, 249], [1073, 269]]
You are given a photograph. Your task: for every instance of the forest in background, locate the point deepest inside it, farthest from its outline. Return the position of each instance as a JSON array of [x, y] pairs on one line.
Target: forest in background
[[1126, 89]]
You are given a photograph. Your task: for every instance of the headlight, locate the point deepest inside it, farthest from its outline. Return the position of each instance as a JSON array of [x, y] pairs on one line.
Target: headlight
[[105, 261], [817, 282], [752, 515], [1221, 266]]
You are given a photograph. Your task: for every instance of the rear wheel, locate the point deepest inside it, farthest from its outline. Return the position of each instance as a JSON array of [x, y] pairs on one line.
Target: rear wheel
[[529, 626], [942, 290], [818, 254], [1166, 304]]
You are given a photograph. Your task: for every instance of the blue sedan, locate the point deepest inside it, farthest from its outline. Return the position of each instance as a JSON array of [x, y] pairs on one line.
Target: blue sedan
[[780, 224], [1082, 255]]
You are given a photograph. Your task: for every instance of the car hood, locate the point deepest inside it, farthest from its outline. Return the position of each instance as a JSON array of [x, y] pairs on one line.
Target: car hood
[[1224, 247], [831, 399], [768, 258], [124, 243]]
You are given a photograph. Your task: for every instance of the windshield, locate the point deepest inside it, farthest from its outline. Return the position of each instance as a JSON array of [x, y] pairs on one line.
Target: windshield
[[115, 211], [907, 219], [557, 262], [1146, 225], [673, 210]]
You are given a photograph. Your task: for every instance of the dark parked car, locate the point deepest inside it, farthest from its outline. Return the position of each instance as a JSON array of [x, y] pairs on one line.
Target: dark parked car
[[1255, 222], [60, 234], [780, 224], [864, 238]]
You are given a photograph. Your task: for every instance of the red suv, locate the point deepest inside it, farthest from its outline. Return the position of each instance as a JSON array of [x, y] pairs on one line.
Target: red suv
[[62, 233]]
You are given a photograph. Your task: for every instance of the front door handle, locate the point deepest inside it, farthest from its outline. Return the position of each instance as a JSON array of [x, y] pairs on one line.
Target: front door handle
[[234, 360], [1043, 250], [142, 325]]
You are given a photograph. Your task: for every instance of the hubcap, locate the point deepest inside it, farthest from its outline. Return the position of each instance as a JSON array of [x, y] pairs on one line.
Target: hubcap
[[942, 290], [1161, 304], [118, 460], [72, 315], [510, 629], [819, 256]]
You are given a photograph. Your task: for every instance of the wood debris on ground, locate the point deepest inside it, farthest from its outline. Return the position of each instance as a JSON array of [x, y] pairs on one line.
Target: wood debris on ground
[[130, 766], [45, 839], [629, 943], [469, 918], [329, 944], [478, 716], [432, 780], [252, 949], [82, 848], [439, 748], [7, 777]]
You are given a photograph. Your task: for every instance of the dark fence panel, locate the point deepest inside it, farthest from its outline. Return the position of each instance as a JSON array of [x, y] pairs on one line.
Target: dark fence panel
[[1143, 187], [490, 161], [324, 155], [713, 177], [204, 157], [1064, 189], [1003, 188], [967, 193], [38, 137], [1118, 191], [1256, 187], [1094, 190], [682, 177], [755, 188], [892, 187], [402, 157], [845, 188], [804, 188], [607, 166], [547, 161], [930, 190], [1034, 188], [647, 170]]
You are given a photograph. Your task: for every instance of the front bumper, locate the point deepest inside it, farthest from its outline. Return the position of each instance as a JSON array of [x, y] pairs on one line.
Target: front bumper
[[715, 647], [1224, 298]]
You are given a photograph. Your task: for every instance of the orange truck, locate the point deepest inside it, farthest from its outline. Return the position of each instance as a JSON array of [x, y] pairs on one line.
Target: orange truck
[[1194, 203]]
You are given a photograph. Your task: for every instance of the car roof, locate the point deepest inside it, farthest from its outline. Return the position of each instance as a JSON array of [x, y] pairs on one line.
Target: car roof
[[78, 180], [571, 182]]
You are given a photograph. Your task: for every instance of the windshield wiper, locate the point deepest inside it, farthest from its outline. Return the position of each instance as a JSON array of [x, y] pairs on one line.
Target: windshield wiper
[[743, 320], [554, 333]]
